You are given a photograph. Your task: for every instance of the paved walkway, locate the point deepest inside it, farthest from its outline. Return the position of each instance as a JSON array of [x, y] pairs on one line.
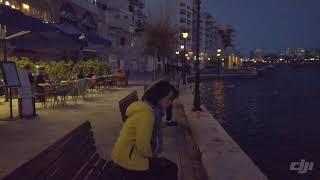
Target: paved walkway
[[23, 139]]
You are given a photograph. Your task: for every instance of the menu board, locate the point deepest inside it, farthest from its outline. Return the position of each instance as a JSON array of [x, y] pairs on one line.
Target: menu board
[[25, 90], [10, 74]]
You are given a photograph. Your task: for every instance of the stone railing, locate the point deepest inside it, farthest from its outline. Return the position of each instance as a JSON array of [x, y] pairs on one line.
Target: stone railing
[[222, 158]]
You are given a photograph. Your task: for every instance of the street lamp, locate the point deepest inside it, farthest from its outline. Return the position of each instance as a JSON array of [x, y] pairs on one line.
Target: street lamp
[[182, 47], [197, 100], [177, 52], [219, 51], [185, 37]]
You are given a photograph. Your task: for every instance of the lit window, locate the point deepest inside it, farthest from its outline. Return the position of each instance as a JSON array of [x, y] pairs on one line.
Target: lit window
[[7, 3], [25, 6]]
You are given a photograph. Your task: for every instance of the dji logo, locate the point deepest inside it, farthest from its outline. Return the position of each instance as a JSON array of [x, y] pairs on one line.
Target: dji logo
[[302, 167]]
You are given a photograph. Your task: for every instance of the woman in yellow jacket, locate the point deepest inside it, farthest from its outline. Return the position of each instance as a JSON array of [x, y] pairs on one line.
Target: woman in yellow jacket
[[135, 153]]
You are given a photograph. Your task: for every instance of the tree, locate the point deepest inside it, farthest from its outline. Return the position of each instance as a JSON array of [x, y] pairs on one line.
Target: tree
[[161, 38]]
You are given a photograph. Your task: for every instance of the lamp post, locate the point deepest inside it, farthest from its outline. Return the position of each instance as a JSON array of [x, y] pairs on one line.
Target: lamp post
[[218, 58], [185, 37], [3, 35], [196, 100]]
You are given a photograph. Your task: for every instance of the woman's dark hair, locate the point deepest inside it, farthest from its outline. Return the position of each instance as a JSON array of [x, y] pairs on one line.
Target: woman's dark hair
[[158, 91]]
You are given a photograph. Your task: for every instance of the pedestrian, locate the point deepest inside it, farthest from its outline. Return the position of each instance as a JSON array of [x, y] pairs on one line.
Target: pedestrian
[[136, 153], [28, 69], [80, 75]]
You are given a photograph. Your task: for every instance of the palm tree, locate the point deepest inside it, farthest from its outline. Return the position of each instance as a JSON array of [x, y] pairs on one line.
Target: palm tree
[[160, 39]]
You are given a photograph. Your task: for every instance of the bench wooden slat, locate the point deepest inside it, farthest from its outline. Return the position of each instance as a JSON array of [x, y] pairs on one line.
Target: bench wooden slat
[[66, 170], [87, 167], [74, 149], [31, 169], [97, 171], [75, 164]]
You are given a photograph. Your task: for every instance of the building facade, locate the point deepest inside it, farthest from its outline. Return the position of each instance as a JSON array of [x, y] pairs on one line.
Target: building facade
[[208, 36]]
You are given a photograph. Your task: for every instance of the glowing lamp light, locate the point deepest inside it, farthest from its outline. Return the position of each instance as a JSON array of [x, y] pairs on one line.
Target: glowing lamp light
[[219, 50], [185, 35], [7, 3], [182, 46], [25, 6], [13, 6], [177, 52]]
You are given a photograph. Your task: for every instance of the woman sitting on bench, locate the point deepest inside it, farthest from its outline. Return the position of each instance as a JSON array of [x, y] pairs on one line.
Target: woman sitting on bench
[[135, 155]]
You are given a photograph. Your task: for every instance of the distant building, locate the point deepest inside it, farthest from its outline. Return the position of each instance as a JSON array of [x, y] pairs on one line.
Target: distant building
[[208, 38], [292, 53], [257, 54], [232, 62]]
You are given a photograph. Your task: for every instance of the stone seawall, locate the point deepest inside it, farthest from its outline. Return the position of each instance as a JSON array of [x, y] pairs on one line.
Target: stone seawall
[[221, 157]]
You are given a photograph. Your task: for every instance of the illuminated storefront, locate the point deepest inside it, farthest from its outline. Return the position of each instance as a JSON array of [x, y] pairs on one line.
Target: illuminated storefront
[[37, 9]]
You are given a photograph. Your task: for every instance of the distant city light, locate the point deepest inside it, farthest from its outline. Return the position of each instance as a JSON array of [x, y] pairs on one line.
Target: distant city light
[[13, 6], [7, 3], [209, 59], [182, 46]]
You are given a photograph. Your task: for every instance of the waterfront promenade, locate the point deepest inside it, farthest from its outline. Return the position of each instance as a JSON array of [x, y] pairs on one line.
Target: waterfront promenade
[[200, 147], [21, 140]]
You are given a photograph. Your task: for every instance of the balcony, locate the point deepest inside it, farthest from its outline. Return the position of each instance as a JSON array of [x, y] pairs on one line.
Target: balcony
[[117, 19]]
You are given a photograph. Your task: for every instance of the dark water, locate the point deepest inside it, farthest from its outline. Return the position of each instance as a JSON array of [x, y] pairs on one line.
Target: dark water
[[275, 119]]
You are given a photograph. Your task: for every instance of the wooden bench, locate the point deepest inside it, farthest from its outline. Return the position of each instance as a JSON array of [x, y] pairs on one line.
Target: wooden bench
[[125, 102], [73, 157]]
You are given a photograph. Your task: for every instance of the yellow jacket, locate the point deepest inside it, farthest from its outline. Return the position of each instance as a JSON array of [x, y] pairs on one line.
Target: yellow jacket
[[132, 148]]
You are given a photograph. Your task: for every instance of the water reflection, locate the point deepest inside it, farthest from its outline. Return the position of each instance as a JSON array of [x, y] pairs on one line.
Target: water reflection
[[218, 95], [273, 119]]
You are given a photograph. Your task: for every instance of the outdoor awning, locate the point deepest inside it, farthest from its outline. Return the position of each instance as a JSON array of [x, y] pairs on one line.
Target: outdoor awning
[[16, 21], [69, 29], [91, 38], [95, 39], [45, 42], [42, 36]]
